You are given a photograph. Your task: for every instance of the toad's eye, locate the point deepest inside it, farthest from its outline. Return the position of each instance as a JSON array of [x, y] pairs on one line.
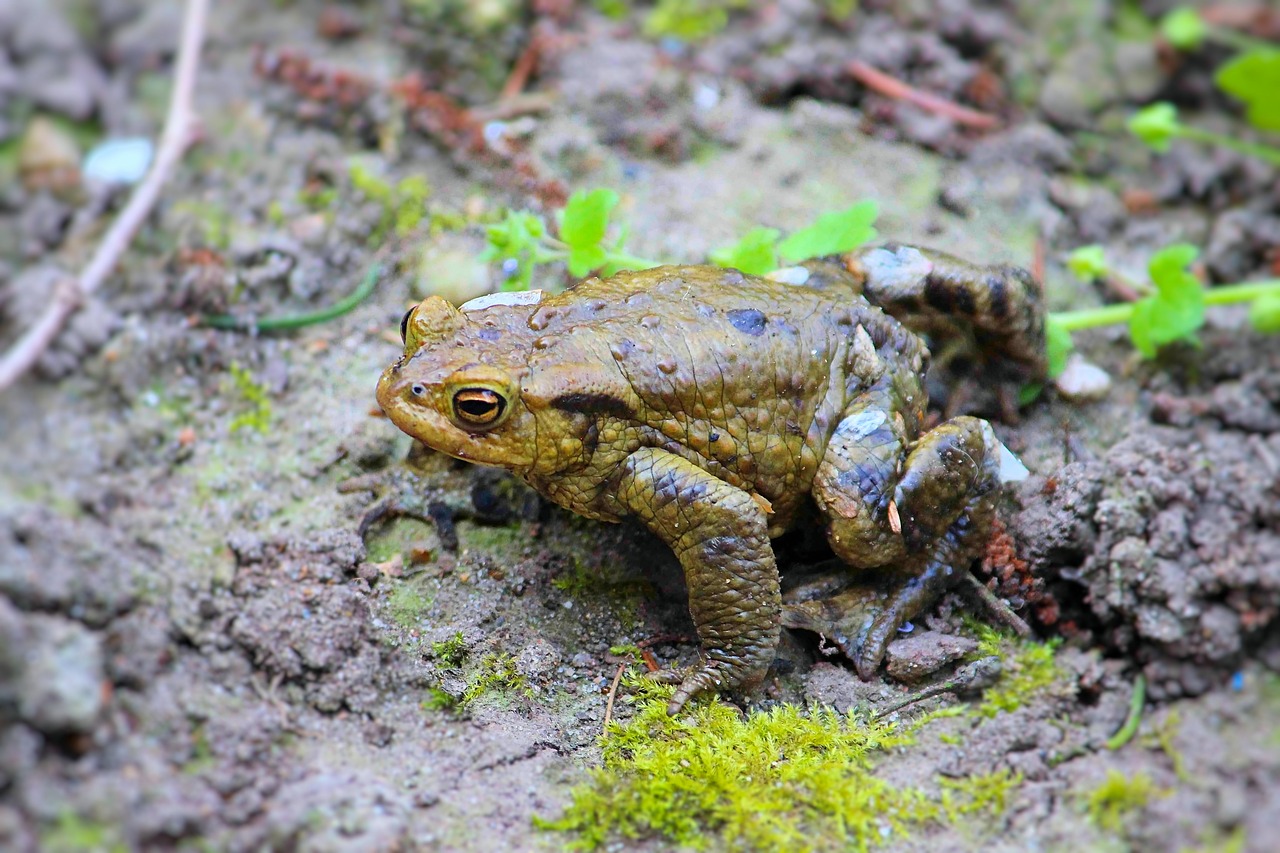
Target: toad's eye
[[478, 406], [404, 326]]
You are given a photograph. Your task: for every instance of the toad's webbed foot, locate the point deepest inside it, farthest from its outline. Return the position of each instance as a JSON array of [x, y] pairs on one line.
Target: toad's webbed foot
[[928, 519]]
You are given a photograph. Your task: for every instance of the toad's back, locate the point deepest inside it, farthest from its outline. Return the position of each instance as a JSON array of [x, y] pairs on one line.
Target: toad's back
[[746, 377]]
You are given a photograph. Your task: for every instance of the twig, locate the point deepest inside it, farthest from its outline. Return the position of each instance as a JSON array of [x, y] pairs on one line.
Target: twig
[[613, 694], [174, 141], [892, 87], [522, 69], [996, 606], [1131, 722]]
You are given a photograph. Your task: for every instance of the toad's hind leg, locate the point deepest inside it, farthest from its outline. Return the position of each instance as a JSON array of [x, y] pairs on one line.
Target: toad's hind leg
[[922, 524]]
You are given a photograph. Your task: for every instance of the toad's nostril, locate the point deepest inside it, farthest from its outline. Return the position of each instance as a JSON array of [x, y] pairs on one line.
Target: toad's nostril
[[417, 389]]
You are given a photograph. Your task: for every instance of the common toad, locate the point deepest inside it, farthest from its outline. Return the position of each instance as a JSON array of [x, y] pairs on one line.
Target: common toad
[[719, 409]]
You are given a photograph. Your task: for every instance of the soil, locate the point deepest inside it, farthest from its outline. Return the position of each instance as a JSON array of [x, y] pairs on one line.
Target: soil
[[199, 646]]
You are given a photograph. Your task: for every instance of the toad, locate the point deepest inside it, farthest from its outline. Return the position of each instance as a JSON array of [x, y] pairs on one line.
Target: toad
[[721, 410]]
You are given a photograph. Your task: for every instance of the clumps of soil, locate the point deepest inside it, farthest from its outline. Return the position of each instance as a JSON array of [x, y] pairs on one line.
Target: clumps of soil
[[1166, 550]]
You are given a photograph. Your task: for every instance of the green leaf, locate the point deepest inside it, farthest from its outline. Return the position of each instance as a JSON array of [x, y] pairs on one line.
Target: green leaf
[[1184, 28], [1140, 323], [586, 217], [1058, 345], [1088, 263], [1156, 125], [1264, 313], [1175, 312], [840, 231], [755, 254], [584, 259], [1254, 77]]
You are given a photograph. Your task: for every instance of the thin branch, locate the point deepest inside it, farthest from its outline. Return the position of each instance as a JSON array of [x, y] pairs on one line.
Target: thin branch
[[613, 693], [177, 137], [891, 87]]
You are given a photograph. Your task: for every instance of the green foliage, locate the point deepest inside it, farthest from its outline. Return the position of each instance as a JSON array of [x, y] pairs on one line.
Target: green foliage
[[451, 652], [258, 417], [496, 673], [833, 233], [582, 228], [1184, 28], [1264, 313], [1175, 312], [521, 240], [403, 204], [779, 779], [72, 834], [840, 10], [516, 239], [755, 254], [1254, 78], [1058, 346], [1156, 125], [1028, 668], [689, 20], [1088, 263], [1118, 796]]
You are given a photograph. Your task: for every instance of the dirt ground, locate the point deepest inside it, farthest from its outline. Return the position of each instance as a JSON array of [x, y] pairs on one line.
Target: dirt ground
[[199, 649]]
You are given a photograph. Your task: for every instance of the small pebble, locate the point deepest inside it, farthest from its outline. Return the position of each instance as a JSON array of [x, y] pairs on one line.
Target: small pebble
[[1082, 381], [119, 161]]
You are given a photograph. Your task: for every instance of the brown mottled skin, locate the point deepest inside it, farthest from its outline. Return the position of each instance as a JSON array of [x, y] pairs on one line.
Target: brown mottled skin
[[716, 408]]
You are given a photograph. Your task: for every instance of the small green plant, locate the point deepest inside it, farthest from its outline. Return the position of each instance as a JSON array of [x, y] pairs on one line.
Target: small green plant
[[450, 653], [780, 779], [1172, 307], [1252, 77], [496, 673], [1119, 796], [403, 204], [521, 241], [72, 833], [1029, 668], [760, 251], [258, 417], [689, 20], [1158, 125]]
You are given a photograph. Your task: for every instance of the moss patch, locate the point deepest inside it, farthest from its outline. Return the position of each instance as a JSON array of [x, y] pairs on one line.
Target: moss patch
[[1029, 668], [1119, 796], [785, 778]]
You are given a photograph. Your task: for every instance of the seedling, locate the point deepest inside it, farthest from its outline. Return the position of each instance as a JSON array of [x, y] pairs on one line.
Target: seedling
[[1173, 308], [1252, 77], [1158, 125], [521, 241]]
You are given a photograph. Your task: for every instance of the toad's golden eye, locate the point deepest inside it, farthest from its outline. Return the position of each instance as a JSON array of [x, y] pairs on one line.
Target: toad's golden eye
[[478, 406], [404, 325]]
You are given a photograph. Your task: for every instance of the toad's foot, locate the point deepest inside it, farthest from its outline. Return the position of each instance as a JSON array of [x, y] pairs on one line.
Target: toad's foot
[[864, 618]]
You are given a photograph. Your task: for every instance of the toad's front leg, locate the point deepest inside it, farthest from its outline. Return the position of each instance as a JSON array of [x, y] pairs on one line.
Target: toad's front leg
[[720, 535]]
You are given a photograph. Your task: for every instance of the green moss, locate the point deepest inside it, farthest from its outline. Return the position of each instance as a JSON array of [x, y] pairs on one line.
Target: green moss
[[607, 582], [451, 652], [784, 778], [1216, 841], [496, 673], [407, 604], [73, 834], [1119, 796], [258, 417], [403, 204], [1029, 668]]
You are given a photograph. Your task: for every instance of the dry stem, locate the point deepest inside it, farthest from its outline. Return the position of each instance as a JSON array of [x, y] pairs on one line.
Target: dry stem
[[178, 135]]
